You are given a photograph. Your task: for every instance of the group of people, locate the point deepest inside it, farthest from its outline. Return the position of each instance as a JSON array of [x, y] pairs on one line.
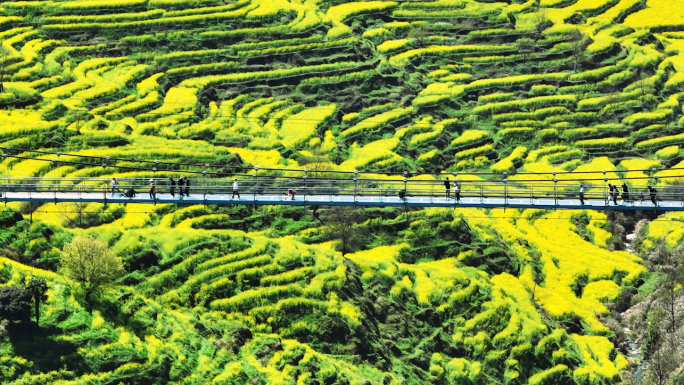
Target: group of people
[[614, 193], [456, 188], [183, 184]]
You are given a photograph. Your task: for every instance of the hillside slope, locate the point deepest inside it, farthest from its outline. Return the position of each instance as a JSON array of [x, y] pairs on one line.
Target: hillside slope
[[238, 295]]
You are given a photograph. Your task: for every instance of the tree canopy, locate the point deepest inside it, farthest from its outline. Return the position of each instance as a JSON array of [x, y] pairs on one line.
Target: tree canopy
[[88, 261], [15, 303]]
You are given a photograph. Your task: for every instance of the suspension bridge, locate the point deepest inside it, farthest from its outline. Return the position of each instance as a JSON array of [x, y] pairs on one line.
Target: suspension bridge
[[343, 192]]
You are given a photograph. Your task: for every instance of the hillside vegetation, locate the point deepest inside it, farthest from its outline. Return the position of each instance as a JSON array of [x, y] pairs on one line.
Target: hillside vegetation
[[242, 295]]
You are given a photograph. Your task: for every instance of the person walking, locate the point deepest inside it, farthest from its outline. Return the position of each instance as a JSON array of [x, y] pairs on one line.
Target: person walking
[[172, 187], [181, 183], [115, 186], [457, 192], [581, 194], [654, 195], [152, 190], [447, 187], [613, 193], [187, 187], [235, 189], [625, 192]]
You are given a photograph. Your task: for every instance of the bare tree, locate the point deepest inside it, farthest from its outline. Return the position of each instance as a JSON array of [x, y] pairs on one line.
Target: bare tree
[[526, 48], [3, 55], [577, 45], [541, 22], [74, 208], [342, 224], [419, 33], [643, 85], [657, 319]]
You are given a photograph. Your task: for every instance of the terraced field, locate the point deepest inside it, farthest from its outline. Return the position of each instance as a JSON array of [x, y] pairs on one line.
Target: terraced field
[[235, 295]]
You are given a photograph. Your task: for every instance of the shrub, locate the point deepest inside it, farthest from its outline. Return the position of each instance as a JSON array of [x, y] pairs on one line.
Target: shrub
[[15, 303]]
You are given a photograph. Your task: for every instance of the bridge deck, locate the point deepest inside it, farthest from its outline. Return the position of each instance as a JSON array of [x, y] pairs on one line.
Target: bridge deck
[[345, 200]]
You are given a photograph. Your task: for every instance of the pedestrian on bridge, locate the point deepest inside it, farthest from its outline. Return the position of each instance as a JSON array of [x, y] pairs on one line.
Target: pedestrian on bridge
[[457, 192], [612, 193], [152, 190], [447, 187], [187, 187], [654, 194], [625, 192], [235, 189], [172, 189], [581, 194], [115, 186], [181, 183]]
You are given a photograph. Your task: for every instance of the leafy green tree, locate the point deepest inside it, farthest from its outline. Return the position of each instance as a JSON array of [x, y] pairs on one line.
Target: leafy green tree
[[88, 261], [37, 287], [15, 303]]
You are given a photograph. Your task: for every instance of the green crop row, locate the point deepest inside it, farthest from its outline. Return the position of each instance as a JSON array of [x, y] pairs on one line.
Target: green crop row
[[152, 14], [524, 123], [202, 68], [533, 103], [350, 41], [602, 101], [517, 80], [341, 78], [207, 81], [563, 156], [404, 58], [377, 121], [539, 114], [139, 105], [660, 142], [508, 162], [496, 97], [470, 137], [614, 107], [609, 143], [256, 297], [154, 23], [473, 152], [576, 117], [657, 116], [516, 133]]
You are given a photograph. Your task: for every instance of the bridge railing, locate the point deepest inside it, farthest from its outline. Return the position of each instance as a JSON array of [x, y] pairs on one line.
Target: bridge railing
[[515, 190]]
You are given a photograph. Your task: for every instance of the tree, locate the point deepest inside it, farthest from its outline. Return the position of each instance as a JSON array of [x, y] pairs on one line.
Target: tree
[[89, 262], [36, 288], [542, 22], [419, 33], [577, 46], [3, 64], [526, 49], [341, 224], [15, 303]]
